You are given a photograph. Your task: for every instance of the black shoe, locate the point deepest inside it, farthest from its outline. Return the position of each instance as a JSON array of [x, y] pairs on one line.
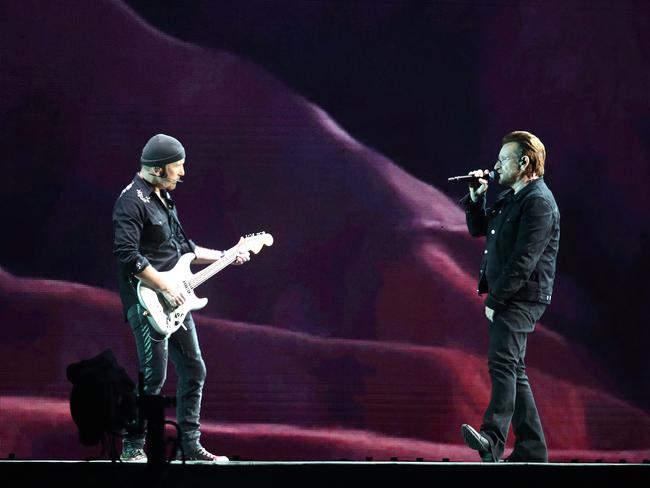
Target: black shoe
[[199, 453], [478, 442], [514, 458]]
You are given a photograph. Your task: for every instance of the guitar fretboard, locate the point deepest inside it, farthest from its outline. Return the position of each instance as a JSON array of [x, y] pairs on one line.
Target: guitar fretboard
[[209, 271]]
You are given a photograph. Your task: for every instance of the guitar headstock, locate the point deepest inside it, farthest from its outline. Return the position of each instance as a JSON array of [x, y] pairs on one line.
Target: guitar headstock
[[255, 242]]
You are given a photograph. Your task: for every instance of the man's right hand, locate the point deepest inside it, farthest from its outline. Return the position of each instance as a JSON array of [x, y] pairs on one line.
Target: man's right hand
[[175, 297], [477, 191]]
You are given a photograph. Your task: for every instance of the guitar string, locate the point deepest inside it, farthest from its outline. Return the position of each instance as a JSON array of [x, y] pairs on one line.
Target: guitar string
[[215, 267]]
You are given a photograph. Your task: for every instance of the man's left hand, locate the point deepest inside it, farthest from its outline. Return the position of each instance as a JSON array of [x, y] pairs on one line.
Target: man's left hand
[[243, 254], [489, 313]]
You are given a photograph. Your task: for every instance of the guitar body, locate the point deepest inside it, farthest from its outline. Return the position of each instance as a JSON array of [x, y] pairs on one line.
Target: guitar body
[[166, 319], [161, 316]]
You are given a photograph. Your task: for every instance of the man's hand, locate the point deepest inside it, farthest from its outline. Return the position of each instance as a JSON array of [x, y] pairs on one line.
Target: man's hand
[[489, 313], [243, 254], [175, 297], [476, 191]]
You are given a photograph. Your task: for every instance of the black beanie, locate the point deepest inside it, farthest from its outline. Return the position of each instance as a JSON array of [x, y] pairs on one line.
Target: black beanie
[[161, 150]]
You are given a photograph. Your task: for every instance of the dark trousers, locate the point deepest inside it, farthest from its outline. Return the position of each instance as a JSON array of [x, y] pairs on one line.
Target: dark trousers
[[512, 398], [153, 353]]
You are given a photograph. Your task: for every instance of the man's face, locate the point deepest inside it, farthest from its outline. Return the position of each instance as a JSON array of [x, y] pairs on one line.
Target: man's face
[[508, 164], [175, 171]]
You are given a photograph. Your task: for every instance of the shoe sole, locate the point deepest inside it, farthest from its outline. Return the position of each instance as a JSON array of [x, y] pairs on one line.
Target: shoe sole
[[473, 438]]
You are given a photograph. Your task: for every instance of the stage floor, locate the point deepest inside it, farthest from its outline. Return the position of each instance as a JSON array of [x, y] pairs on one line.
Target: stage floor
[[197, 473]]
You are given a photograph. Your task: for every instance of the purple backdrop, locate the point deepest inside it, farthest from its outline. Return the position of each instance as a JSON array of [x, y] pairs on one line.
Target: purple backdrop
[[358, 333]]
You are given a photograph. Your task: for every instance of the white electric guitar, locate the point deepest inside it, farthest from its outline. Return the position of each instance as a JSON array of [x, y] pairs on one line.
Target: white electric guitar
[[166, 319]]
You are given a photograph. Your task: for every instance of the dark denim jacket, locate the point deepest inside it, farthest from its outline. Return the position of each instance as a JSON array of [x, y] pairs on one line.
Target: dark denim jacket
[[522, 241]]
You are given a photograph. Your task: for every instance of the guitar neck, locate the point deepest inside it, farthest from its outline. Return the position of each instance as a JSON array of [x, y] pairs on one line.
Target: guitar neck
[[211, 270]]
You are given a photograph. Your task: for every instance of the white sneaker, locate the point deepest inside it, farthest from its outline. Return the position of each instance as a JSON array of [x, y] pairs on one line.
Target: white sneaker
[[133, 455], [201, 454]]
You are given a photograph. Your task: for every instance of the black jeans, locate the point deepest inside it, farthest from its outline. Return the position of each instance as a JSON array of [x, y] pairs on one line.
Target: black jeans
[[183, 349], [512, 398]]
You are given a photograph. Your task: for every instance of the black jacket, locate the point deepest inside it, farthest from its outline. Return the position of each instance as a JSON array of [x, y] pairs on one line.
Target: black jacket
[[146, 232], [523, 239]]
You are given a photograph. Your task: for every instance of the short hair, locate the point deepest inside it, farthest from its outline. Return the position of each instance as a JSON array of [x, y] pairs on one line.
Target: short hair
[[530, 146]]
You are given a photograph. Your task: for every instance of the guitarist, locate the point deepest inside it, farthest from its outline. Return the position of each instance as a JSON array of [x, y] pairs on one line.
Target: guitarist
[[149, 238]]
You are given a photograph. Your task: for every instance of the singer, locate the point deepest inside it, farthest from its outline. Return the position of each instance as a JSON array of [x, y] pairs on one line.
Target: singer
[[517, 273], [149, 238]]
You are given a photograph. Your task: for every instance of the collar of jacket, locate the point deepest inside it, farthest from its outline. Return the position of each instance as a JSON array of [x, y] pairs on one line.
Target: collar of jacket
[[510, 193], [528, 188], [145, 186]]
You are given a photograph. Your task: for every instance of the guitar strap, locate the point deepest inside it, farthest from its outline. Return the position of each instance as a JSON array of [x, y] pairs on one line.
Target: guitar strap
[[172, 211], [180, 226]]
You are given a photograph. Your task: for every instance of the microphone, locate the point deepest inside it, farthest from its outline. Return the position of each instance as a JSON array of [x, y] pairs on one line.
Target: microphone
[[164, 177], [491, 176]]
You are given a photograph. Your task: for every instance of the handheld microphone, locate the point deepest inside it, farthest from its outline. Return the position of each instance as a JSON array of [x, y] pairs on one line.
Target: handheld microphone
[[490, 175]]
